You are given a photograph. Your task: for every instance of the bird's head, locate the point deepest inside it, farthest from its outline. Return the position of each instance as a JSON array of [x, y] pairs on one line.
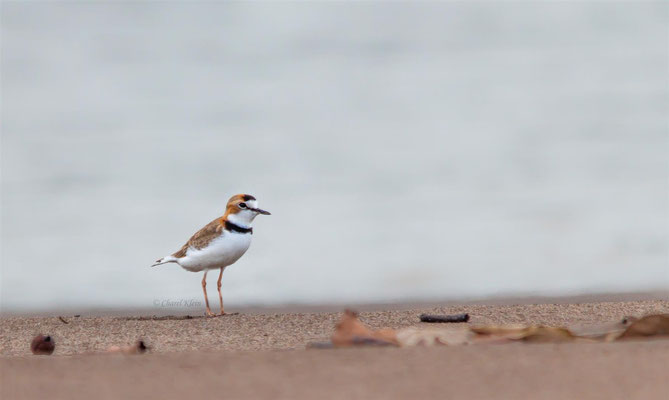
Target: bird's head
[[242, 209]]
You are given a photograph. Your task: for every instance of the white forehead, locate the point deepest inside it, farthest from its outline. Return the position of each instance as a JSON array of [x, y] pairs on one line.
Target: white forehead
[[252, 203]]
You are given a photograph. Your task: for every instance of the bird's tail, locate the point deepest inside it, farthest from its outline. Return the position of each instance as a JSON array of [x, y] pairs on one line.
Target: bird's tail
[[165, 260]]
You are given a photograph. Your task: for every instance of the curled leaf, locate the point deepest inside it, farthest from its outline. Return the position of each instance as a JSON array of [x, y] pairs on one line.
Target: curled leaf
[[536, 333], [349, 331], [650, 325]]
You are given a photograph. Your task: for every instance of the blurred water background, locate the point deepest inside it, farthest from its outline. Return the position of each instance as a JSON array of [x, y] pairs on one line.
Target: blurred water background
[[407, 151]]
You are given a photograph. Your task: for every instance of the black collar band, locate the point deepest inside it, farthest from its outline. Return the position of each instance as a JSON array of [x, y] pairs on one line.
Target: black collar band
[[236, 228]]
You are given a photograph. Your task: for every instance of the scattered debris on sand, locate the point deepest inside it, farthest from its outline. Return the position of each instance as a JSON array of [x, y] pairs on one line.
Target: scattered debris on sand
[[350, 331]]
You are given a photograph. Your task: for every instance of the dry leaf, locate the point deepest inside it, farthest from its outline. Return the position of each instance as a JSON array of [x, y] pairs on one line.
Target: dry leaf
[[543, 334], [349, 331], [535, 334], [648, 326], [433, 337]]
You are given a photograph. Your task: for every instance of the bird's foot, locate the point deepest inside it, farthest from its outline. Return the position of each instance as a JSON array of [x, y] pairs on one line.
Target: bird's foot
[[210, 314]]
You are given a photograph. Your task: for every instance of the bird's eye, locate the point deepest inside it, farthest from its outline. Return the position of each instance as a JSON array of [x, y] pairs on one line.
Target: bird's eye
[[242, 205]]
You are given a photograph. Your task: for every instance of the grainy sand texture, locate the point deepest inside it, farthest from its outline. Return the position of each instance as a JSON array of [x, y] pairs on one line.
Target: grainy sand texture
[[264, 356]]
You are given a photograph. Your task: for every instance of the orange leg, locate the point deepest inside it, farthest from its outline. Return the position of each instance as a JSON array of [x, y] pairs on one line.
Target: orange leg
[[220, 296], [204, 289]]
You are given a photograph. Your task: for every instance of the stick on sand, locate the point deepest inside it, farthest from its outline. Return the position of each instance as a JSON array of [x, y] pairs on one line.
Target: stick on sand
[[444, 318]]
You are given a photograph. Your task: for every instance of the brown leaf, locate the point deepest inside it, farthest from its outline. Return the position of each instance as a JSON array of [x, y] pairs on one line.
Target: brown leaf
[[513, 332], [543, 334], [349, 331], [535, 334], [650, 325]]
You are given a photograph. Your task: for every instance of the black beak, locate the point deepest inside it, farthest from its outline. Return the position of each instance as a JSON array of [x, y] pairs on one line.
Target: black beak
[[259, 211]]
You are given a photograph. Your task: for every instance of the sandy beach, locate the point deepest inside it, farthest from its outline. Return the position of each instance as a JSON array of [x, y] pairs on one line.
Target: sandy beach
[[263, 355], [467, 159]]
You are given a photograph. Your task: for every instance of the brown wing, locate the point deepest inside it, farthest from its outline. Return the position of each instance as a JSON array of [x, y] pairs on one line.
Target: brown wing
[[202, 237]]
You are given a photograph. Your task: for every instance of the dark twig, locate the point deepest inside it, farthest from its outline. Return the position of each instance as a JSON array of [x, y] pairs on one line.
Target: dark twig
[[63, 320], [444, 318]]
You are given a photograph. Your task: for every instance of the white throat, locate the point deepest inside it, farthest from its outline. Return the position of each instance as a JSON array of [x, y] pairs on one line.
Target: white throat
[[243, 218]]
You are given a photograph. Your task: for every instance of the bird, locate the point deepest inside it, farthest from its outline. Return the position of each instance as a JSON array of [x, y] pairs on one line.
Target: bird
[[218, 244]]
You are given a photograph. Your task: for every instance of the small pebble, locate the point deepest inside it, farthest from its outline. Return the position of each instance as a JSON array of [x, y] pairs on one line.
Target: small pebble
[[42, 345]]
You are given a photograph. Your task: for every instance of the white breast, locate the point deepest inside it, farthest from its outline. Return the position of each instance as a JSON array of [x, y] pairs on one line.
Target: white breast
[[221, 252]]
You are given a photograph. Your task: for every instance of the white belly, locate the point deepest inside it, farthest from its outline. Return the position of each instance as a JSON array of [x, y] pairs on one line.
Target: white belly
[[221, 252]]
